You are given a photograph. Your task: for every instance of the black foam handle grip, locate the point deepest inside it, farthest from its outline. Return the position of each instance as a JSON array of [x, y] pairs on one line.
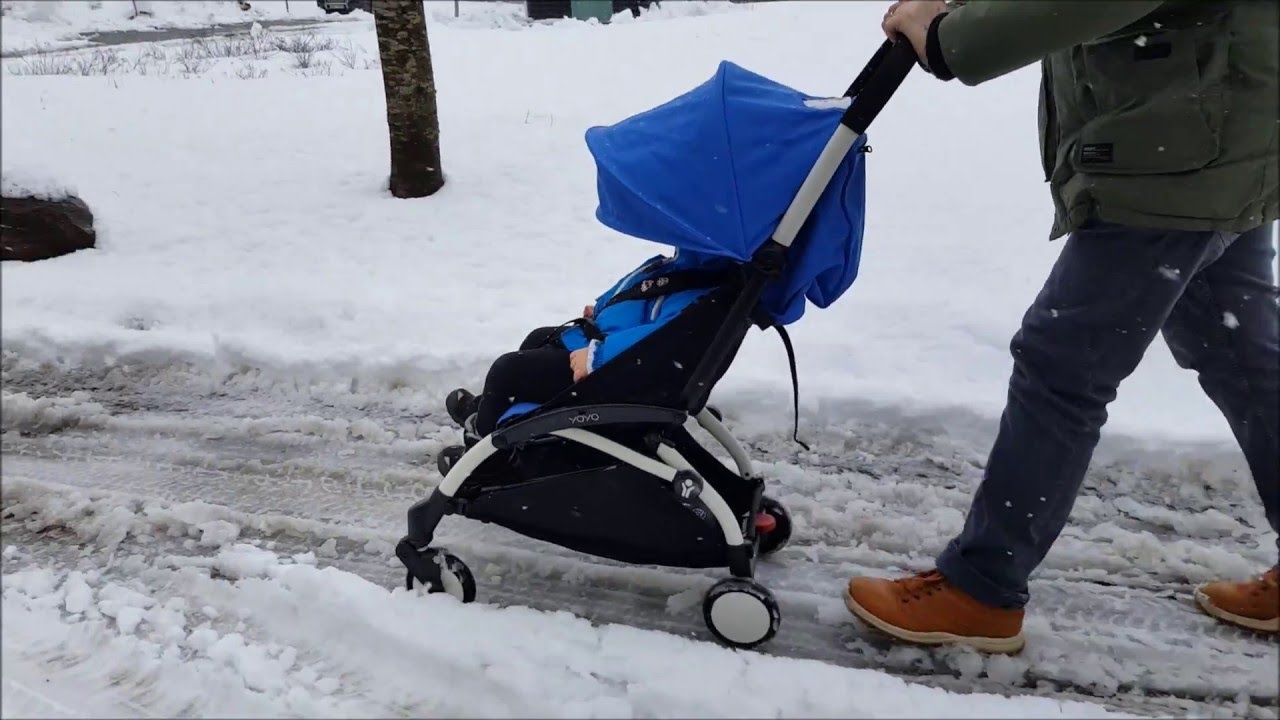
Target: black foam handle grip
[[877, 82]]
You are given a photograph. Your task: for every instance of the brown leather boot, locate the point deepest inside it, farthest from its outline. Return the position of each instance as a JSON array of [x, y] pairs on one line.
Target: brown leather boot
[[1252, 604], [928, 610]]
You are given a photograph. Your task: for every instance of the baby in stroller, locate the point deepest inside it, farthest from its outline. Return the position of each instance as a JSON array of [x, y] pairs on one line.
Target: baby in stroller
[[551, 359]]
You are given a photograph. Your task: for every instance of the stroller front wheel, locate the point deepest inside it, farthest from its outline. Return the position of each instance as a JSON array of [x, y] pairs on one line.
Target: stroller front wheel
[[741, 613], [449, 457], [455, 577]]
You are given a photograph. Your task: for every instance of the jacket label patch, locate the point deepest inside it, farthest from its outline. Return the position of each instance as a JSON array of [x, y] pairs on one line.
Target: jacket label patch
[[1097, 153]]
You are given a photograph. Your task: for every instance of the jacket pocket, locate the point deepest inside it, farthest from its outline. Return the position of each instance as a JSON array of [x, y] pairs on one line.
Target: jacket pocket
[[1158, 102]]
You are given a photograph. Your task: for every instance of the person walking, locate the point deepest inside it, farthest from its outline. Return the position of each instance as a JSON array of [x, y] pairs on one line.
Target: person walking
[[1160, 134]]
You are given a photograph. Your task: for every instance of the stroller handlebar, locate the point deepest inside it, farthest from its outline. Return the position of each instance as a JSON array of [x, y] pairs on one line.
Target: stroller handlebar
[[869, 92], [877, 82]]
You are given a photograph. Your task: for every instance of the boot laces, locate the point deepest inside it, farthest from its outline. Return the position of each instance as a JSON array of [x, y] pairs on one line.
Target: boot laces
[[922, 585]]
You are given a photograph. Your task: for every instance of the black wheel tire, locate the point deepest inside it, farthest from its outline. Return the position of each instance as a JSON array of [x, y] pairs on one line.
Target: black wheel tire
[[776, 539], [741, 613], [715, 413], [455, 576], [449, 457]]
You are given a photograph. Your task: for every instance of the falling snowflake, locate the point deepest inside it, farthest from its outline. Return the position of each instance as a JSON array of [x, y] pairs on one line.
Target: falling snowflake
[[1230, 320], [1170, 273], [1140, 41], [1008, 503]]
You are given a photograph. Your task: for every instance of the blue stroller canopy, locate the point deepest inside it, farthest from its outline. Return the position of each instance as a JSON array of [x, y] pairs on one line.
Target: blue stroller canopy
[[713, 171]]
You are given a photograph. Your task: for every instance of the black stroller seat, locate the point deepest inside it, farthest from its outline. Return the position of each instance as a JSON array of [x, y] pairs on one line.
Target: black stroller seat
[[610, 466]]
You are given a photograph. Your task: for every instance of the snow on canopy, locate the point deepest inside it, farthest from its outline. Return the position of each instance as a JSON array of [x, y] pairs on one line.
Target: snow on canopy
[[713, 170]]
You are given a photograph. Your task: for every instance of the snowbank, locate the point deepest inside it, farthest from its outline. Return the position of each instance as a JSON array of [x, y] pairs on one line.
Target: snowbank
[[430, 656], [27, 182], [244, 224], [22, 413]]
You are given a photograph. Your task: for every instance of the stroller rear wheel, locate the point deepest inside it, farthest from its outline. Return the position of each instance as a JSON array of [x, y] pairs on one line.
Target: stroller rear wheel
[[741, 613], [775, 538]]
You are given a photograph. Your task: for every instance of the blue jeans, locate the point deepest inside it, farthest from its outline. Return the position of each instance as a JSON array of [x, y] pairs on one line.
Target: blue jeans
[[1213, 295]]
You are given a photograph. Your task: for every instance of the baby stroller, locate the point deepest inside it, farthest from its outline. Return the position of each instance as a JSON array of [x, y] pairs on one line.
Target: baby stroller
[[610, 467]]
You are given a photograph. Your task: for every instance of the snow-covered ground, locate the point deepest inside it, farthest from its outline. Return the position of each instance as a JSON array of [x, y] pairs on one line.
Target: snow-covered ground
[[264, 330], [53, 24], [245, 222]]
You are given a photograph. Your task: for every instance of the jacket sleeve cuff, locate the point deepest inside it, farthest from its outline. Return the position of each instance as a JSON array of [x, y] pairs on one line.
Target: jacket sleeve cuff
[[933, 51]]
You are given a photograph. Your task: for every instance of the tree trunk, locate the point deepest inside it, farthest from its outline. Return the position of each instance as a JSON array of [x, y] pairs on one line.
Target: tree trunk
[[410, 91]]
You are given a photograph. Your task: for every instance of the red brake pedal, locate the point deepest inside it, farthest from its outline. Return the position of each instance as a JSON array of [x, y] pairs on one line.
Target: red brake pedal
[[765, 523]]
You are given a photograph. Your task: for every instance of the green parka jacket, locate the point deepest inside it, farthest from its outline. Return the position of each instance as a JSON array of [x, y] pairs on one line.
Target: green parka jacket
[[1152, 114]]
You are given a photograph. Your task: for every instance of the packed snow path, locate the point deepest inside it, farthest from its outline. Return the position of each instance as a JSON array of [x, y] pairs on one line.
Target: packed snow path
[[331, 472]]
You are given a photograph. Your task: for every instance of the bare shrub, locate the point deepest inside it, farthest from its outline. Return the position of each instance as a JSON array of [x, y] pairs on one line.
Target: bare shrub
[[191, 50], [154, 53], [193, 65], [249, 71], [301, 44], [152, 57], [99, 62], [346, 53], [262, 45], [321, 67], [230, 46], [41, 64]]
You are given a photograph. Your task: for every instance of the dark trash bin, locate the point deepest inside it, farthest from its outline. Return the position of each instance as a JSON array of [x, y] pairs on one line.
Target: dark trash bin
[[548, 9], [633, 5], [557, 9]]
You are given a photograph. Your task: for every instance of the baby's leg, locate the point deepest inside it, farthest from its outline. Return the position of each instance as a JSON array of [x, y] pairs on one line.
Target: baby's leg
[[542, 337], [525, 376]]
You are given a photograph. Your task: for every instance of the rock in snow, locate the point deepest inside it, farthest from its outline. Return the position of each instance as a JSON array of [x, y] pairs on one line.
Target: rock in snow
[[38, 229]]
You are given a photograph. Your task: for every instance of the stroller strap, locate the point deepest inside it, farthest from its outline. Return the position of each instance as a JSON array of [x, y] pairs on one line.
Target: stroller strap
[[589, 328], [655, 287], [764, 321], [795, 384], [670, 284]]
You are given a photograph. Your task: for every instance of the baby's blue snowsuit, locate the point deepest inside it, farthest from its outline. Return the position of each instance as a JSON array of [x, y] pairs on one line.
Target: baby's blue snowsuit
[[628, 322]]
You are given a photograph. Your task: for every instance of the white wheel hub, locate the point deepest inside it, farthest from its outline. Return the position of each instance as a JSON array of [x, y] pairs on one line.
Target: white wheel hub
[[740, 617], [451, 584]]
